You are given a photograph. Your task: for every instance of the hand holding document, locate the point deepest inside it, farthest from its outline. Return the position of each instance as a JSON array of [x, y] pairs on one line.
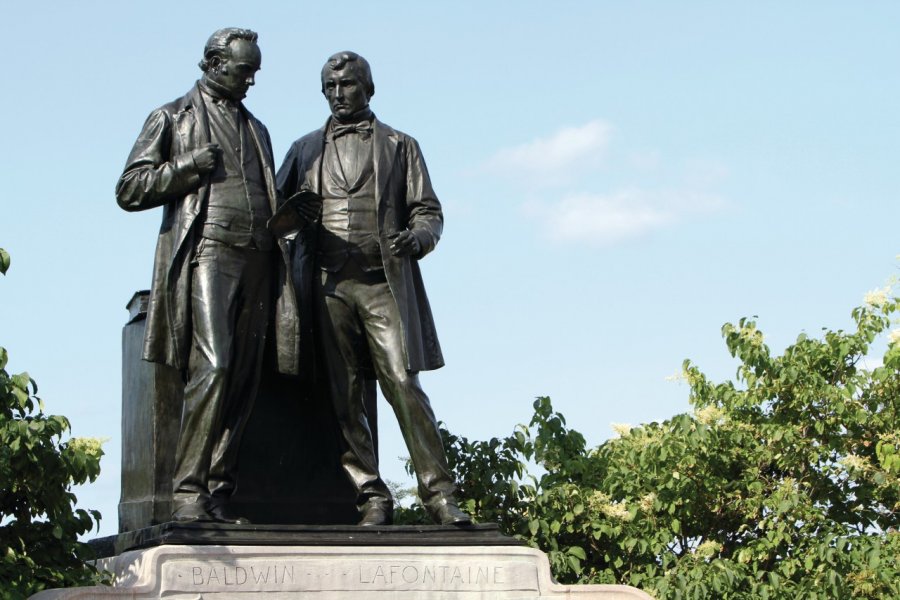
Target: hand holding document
[[295, 213]]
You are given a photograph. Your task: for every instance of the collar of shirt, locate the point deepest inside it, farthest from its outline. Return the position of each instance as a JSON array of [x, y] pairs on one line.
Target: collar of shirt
[[216, 93]]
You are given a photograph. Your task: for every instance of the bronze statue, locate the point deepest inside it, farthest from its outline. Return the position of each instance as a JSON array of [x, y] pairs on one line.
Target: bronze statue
[[218, 272], [357, 263]]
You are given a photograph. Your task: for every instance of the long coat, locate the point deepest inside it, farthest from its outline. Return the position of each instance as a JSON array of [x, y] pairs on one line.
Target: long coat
[[405, 200], [160, 172]]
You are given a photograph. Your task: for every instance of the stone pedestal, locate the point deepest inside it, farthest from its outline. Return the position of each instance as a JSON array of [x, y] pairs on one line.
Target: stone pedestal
[[335, 563]]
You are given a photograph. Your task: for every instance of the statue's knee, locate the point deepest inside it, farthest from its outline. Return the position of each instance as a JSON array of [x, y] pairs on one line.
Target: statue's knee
[[407, 384], [211, 371]]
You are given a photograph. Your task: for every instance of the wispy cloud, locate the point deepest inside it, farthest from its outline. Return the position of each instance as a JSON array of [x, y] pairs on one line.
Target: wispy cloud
[[636, 192], [603, 219], [558, 157]]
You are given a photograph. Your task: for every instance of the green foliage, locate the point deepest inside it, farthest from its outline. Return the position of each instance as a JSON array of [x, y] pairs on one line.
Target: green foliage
[[782, 484], [39, 526], [4, 261]]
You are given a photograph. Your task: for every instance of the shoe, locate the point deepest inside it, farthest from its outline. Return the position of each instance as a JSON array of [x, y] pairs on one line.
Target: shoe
[[375, 514], [194, 512], [222, 514], [450, 514]]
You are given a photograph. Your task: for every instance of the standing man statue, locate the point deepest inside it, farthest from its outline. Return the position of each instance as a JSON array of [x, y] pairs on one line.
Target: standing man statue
[[358, 265], [208, 162]]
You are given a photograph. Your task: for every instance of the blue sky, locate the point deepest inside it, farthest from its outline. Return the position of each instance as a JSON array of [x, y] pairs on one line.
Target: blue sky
[[619, 179]]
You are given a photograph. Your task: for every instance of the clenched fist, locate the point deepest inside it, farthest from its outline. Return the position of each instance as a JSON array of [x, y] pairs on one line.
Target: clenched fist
[[206, 157]]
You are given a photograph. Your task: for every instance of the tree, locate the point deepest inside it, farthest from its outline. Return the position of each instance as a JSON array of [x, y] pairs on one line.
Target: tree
[[782, 484], [39, 526]]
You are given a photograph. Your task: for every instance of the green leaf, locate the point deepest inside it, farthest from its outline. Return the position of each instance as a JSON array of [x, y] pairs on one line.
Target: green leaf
[[4, 261], [21, 381]]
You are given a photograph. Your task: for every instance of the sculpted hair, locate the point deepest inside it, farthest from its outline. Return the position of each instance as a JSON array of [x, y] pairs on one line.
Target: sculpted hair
[[338, 61], [217, 44]]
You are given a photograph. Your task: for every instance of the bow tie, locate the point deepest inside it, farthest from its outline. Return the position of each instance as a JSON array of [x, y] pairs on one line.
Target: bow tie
[[363, 128]]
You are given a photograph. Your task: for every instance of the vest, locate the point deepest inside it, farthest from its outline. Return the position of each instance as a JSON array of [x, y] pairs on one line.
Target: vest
[[348, 229], [238, 205]]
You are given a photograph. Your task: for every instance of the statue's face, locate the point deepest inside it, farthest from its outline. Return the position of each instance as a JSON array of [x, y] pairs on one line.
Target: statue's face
[[236, 71], [345, 91]]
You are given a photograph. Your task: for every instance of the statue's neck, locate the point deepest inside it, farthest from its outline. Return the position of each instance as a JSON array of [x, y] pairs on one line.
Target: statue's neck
[[364, 114]]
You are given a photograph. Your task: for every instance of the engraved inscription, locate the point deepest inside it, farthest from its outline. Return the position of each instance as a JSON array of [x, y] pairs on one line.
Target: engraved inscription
[[434, 575], [345, 574], [229, 575]]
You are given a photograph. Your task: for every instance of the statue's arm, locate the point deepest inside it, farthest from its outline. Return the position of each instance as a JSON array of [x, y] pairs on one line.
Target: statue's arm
[[152, 177], [426, 219]]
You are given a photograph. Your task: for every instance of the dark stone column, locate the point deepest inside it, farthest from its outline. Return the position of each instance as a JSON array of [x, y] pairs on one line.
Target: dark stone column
[[151, 414]]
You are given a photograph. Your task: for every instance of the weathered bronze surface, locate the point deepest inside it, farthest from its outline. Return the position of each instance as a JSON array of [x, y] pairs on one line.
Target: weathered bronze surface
[[359, 285], [320, 261], [220, 278]]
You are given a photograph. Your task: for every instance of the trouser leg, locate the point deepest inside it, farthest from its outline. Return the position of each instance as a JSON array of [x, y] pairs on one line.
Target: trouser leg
[[343, 346], [402, 389], [212, 292], [217, 396], [252, 313]]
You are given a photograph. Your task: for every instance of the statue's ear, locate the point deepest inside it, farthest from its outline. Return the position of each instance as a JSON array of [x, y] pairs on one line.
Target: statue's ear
[[214, 63]]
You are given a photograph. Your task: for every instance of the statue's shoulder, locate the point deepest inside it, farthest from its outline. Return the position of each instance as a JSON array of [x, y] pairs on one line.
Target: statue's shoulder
[[386, 129], [181, 104], [403, 140], [313, 137], [408, 143], [307, 147]]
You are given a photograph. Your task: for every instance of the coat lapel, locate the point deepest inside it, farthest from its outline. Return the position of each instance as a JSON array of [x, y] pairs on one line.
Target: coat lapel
[[191, 125], [198, 136], [195, 105], [385, 143]]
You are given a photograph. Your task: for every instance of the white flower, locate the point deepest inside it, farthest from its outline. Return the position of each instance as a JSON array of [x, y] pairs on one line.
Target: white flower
[[617, 512], [894, 336], [598, 500], [89, 445], [679, 376], [708, 549], [709, 415], [876, 298], [621, 429], [647, 502], [852, 462]]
